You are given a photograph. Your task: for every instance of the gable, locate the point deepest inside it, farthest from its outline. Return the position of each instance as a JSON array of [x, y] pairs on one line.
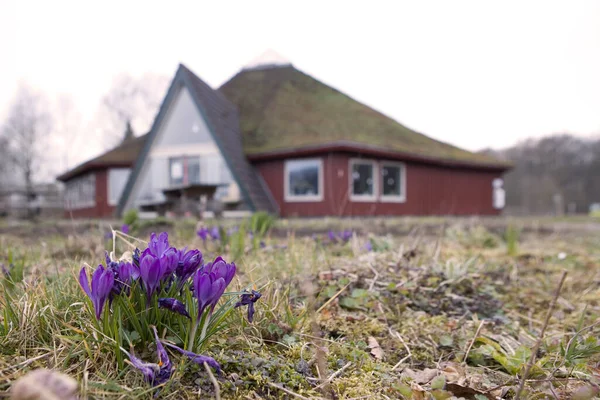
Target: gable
[[182, 137], [201, 121]]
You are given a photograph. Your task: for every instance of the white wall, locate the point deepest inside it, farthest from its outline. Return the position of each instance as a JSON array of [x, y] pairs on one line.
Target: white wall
[[183, 132], [117, 179]]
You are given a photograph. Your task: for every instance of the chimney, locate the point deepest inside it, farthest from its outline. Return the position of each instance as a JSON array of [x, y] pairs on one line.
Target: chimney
[[128, 132]]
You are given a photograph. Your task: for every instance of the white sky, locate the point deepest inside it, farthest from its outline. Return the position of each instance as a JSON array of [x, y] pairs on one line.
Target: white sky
[[472, 73]]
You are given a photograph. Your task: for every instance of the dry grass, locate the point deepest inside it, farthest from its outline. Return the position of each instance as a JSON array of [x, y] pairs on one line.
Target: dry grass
[[445, 311]]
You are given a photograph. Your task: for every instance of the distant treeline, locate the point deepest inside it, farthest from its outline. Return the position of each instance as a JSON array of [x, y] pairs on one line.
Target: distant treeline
[[555, 174]]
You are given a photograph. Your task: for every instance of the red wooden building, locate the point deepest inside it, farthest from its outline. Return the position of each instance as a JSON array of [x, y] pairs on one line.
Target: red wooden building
[[273, 138]]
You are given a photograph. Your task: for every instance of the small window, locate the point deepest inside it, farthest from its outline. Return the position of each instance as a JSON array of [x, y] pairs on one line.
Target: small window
[[303, 180], [176, 171], [362, 180], [193, 169], [392, 182]]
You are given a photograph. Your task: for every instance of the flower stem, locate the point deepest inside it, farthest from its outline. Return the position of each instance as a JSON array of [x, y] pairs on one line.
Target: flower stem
[[193, 336]]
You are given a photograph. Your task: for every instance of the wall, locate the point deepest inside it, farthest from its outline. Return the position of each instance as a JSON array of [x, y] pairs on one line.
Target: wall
[[102, 208], [430, 190]]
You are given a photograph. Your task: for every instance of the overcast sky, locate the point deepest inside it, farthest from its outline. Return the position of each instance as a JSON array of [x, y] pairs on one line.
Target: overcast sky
[[473, 73]]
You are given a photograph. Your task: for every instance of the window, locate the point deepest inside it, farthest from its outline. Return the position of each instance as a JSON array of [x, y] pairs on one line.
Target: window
[[193, 169], [81, 192], [176, 171], [393, 187], [362, 180], [303, 180], [184, 170]]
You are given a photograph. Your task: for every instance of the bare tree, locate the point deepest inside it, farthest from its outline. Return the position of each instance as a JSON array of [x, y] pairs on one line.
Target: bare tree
[[130, 100], [67, 133], [25, 133]]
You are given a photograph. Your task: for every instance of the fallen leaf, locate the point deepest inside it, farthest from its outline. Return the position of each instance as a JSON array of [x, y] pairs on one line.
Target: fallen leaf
[[421, 377], [438, 382], [461, 391], [376, 350], [453, 372]]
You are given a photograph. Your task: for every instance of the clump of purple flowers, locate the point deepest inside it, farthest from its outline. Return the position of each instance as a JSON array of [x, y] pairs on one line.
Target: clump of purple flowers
[[339, 237], [168, 288], [212, 233]]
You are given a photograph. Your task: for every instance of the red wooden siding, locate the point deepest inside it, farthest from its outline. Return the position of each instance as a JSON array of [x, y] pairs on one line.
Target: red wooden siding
[[430, 190], [102, 209]]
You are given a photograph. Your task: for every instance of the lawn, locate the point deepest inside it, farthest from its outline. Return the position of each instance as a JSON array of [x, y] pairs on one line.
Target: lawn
[[403, 308]]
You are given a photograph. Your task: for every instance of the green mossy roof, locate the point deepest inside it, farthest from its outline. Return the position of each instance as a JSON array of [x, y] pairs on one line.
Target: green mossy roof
[[282, 109]]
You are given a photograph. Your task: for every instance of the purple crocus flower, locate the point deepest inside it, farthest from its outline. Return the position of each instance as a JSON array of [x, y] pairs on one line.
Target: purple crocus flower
[[149, 370], [214, 233], [332, 236], [248, 299], [203, 233], [125, 229], [158, 245], [151, 272], [102, 284], [369, 246], [173, 305], [346, 235], [207, 289], [221, 269], [155, 374], [135, 258], [124, 273], [197, 358], [189, 261], [5, 270], [166, 368], [159, 248]]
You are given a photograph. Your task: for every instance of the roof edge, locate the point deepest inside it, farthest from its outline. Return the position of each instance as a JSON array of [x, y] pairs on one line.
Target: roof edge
[[141, 158], [348, 146]]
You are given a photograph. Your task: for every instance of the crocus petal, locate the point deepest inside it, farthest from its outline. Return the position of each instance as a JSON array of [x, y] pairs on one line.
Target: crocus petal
[[163, 357], [173, 305], [197, 358], [149, 370], [217, 289], [250, 312], [83, 281]]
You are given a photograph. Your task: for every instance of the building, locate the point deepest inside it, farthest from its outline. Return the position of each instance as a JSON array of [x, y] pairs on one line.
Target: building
[[276, 139]]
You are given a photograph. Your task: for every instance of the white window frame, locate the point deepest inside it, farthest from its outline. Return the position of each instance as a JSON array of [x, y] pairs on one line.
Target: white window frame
[[363, 197], [291, 198], [394, 198]]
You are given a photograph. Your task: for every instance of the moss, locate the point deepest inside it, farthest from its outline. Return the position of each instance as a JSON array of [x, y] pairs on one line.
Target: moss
[[283, 108]]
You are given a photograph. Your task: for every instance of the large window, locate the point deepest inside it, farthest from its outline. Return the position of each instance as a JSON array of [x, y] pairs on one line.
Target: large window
[[81, 192], [303, 180], [393, 186], [363, 184]]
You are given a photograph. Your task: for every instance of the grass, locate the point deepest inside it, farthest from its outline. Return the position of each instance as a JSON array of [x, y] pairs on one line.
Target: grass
[[454, 309]]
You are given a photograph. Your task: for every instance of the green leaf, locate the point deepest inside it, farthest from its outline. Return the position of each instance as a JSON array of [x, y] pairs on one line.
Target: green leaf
[[349, 302], [359, 293], [446, 341], [438, 382]]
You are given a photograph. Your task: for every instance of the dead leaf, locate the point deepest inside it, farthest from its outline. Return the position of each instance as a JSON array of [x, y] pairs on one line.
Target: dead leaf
[[453, 372], [462, 391], [421, 377], [376, 350]]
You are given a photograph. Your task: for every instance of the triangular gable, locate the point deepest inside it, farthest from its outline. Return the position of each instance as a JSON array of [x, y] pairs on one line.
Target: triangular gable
[[222, 121]]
